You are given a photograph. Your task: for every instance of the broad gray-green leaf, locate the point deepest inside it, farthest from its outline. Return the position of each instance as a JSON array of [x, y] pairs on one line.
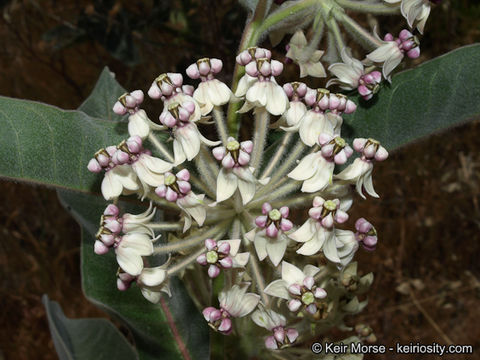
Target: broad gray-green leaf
[[434, 96], [46, 145], [174, 329], [85, 339]]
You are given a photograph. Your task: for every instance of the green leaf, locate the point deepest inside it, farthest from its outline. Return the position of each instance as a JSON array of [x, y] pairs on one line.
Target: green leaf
[[174, 329], [434, 96], [85, 339], [46, 145]]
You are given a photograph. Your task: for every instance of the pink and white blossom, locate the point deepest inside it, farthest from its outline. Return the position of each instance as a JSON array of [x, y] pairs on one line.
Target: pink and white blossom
[[222, 255]]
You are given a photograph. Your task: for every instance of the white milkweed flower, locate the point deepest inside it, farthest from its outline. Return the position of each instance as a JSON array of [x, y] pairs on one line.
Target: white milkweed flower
[[270, 238], [187, 138], [351, 75], [415, 11], [276, 323], [392, 51], [360, 171], [169, 87], [235, 303], [298, 287], [129, 250], [316, 169], [151, 281], [222, 255], [307, 57], [297, 108], [318, 232], [260, 88], [119, 179], [138, 122], [149, 169], [210, 92], [176, 188], [235, 172]]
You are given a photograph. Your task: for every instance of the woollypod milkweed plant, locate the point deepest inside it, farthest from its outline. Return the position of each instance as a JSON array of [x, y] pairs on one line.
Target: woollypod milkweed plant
[[244, 191]]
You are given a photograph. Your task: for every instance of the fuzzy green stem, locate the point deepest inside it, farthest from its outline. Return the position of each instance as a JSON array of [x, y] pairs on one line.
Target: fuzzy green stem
[[278, 155], [220, 123], [194, 240], [278, 193], [185, 262], [367, 7], [339, 42], [262, 118], [166, 226], [360, 35]]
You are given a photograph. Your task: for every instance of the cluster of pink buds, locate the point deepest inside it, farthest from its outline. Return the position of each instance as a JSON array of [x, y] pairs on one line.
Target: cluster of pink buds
[[264, 68], [235, 154], [217, 257], [177, 114], [281, 336], [305, 295], [295, 91], [327, 212], [102, 160], [166, 86], [274, 220], [205, 69], [368, 84], [174, 186], [251, 54], [129, 150], [366, 234], [370, 149], [128, 102], [334, 148], [218, 320], [322, 100], [407, 43]]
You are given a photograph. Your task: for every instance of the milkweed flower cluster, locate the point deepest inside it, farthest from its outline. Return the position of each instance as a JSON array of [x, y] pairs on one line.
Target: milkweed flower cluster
[[250, 211]]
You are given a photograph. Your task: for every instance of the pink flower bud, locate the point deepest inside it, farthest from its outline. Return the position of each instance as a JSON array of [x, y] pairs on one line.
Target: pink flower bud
[[288, 88], [202, 259], [302, 90], [310, 97], [276, 67], [113, 225], [243, 158], [104, 160], [370, 242], [189, 106], [228, 161], [111, 210], [317, 201], [363, 226], [312, 309], [244, 58], [192, 71], [292, 335], [327, 221], [261, 221], [138, 96], [369, 151], [308, 282], [208, 311], [184, 186], [225, 326], [286, 225], [340, 158], [381, 154], [176, 78], [320, 293], [183, 114], [154, 92], [161, 191], [134, 144], [167, 119], [359, 144], [183, 175], [224, 248], [122, 286], [107, 239], [171, 195], [324, 138], [119, 109], [295, 289], [251, 69], [210, 244], [227, 262], [279, 334], [213, 271], [216, 65], [388, 37], [204, 68], [284, 211], [130, 101], [99, 248], [272, 231], [350, 107], [404, 35], [120, 157], [414, 53], [266, 208], [188, 90], [327, 151], [271, 343], [333, 102], [315, 212], [363, 90], [294, 305], [219, 152], [324, 103], [166, 89], [341, 216], [94, 166]]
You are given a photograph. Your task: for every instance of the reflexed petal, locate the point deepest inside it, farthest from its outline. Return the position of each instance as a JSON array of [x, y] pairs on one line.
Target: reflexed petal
[[241, 259], [276, 249], [277, 288], [291, 274], [227, 183], [178, 152], [305, 232], [306, 168], [247, 190], [260, 243], [129, 260], [321, 178], [310, 247], [139, 242], [153, 276], [277, 100], [189, 138], [152, 296], [330, 248]]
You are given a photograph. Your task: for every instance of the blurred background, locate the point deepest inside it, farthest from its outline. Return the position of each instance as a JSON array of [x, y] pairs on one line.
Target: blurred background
[[427, 273]]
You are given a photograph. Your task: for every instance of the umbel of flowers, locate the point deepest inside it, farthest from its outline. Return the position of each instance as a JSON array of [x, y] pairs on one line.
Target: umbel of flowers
[[232, 207]]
